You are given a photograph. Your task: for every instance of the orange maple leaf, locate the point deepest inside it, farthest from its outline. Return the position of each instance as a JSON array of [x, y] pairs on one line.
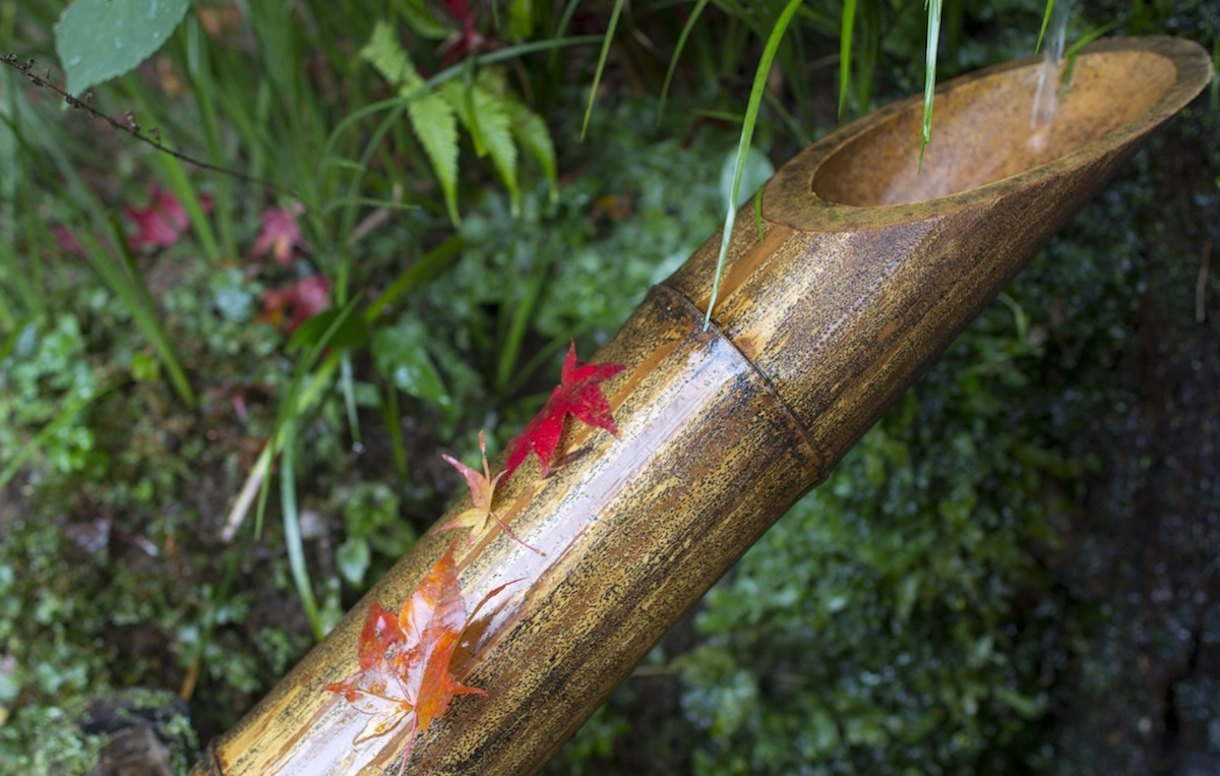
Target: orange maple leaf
[[403, 674], [579, 395], [480, 518]]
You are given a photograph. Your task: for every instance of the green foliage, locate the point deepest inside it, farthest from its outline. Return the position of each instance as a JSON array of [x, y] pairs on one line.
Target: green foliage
[[47, 741], [46, 383], [917, 547], [495, 120], [374, 525], [100, 39], [586, 257], [400, 352]]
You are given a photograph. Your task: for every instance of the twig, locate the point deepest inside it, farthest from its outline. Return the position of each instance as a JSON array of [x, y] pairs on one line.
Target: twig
[[129, 125], [374, 220]]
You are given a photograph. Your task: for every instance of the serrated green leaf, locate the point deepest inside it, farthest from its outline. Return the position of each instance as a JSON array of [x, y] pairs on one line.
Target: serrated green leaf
[[434, 124], [532, 135], [97, 40], [498, 138], [483, 114], [430, 114], [388, 57], [462, 102]]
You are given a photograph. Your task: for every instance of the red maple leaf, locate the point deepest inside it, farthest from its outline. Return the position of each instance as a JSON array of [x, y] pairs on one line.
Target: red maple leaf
[[577, 395], [160, 223], [403, 674], [280, 234]]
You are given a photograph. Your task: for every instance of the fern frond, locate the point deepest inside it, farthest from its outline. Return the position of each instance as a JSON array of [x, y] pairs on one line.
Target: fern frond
[[532, 135], [388, 57], [498, 138], [434, 124]]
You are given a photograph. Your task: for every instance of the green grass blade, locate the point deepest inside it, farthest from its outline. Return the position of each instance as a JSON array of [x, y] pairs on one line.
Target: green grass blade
[[292, 530], [1072, 51], [601, 65], [522, 312], [845, 39], [392, 419], [1046, 20], [929, 83], [347, 384], [134, 296], [429, 266], [678, 47], [743, 145]]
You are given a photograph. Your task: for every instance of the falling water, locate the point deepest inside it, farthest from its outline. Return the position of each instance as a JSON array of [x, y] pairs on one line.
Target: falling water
[[1046, 95]]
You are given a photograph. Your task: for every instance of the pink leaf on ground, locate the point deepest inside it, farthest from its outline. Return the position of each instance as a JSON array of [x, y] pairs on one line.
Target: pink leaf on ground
[[162, 221], [291, 306], [281, 235]]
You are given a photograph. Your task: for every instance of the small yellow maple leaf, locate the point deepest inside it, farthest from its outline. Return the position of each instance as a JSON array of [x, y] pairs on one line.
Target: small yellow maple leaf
[[481, 518]]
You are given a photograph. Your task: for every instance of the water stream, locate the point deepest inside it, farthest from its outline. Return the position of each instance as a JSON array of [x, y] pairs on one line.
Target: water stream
[[1046, 95]]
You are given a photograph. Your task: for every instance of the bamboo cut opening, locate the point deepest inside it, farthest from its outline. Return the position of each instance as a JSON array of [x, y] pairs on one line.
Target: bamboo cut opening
[[983, 130]]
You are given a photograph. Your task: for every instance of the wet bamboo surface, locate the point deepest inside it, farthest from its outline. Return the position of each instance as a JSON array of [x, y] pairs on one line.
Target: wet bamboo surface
[[858, 274]]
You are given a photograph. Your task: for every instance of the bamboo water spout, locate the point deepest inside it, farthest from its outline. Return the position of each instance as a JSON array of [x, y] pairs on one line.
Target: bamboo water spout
[[863, 271]]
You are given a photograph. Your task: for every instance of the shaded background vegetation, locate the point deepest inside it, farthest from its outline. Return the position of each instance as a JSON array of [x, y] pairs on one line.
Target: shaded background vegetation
[[1015, 570]]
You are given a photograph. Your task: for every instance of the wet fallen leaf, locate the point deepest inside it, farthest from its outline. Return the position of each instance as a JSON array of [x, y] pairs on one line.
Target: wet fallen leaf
[[161, 222], [289, 307], [579, 395], [403, 662], [280, 234], [481, 517]]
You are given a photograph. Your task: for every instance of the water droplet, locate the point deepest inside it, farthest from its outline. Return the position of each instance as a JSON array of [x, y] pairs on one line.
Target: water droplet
[[74, 61], [358, 448], [118, 44]]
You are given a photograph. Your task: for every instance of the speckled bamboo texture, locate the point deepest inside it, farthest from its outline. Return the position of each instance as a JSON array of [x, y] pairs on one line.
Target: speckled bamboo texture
[[832, 304]]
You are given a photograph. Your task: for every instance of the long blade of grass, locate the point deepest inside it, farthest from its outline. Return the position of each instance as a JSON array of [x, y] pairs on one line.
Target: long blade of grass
[[1046, 20], [303, 390], [133, 294], [1073, 51], [429, 266], [678, 47], [392, 419], [293, 541], [845, 41], [743, 145], [929, 81], [347, 383], [521, 314], [601, 64]]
